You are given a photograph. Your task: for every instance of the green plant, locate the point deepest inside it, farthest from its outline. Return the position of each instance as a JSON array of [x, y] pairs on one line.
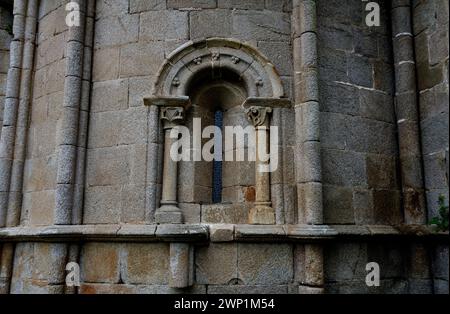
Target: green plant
[[442, 221]]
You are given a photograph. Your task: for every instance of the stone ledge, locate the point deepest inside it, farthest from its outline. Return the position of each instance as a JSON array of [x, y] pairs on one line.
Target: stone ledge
[[283, 233], [110, 233], [216, 233]]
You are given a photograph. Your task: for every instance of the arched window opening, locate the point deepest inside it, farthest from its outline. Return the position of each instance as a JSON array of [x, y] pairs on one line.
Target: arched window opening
[[216, 96]]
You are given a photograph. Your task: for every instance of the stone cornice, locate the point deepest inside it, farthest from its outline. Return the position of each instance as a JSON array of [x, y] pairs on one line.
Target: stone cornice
[[217, 233]]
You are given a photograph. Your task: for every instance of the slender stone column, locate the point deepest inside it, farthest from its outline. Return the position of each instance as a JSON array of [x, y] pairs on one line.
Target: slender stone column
[[169, 211], [15, 191], [406, 109], [11, 110], [80, 174], [258, 111], [262, 213], [172, 111], [68, 133], [15, 124], [307, 118], [307, 112], [73, 254]]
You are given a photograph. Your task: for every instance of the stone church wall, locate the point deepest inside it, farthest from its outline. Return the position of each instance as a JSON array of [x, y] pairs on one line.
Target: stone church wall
[[360, 180]]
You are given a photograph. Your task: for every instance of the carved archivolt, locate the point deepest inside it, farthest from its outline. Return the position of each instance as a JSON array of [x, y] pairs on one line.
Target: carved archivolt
[[182, 65]]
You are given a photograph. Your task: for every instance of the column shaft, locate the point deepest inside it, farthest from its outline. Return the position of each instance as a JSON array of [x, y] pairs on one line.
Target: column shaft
[[407, 115], [307, 119], [307, 112], [68, 134], [169, 211], [13, 82], [262, 213], [170, 172], [262, 177]]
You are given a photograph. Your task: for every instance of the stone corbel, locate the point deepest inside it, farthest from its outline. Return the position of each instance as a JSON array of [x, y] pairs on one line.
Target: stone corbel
[[258, 112], [172, 110], [181, 265]]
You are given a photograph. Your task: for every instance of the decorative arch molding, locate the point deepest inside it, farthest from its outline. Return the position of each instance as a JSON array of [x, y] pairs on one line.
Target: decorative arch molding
[[184, 64]]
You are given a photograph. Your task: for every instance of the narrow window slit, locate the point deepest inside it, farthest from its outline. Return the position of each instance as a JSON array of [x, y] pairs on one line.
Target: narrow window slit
[[217, 163]]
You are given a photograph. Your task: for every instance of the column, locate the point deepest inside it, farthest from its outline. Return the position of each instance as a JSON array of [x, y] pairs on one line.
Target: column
[[172, 111], [307, 112], [407, 114], [262, 213], [258, 111]]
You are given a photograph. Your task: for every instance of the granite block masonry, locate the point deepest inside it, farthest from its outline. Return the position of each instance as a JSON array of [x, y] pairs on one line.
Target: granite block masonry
[[362, 146]]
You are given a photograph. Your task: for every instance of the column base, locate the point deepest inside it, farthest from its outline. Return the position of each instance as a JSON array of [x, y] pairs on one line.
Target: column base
[[169, 214], [262, 215]]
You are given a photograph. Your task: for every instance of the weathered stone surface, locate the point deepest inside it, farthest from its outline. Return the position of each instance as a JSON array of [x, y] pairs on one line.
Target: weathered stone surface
[[147, 264], [192, 4], [104, 92], [102, 204], [281, 58], [260, 25], [225, 214], [163, 25], [49, 262], [217, 264], [247, 5], [219, 20], [141, 59], [346, 261], [338, 205], [181, 274], [137, 289], [387, 209], [132, 204], [100, 263], [108, 69], [137, 6], [440, 263], [39, 205], [221, 233], [246, 289], [265, 264], [139, 87], [381, 172], [344, 168], [340, 98], [108, 166], [310, 290], [116, 30], [275, 5]]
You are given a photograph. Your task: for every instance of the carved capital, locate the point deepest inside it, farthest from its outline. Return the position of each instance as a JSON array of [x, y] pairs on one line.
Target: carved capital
[[171, 108], [258, 115], [171, 116]]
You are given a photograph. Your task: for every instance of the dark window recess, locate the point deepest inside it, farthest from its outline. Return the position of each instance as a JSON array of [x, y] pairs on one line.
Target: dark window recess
[[217, 164]]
